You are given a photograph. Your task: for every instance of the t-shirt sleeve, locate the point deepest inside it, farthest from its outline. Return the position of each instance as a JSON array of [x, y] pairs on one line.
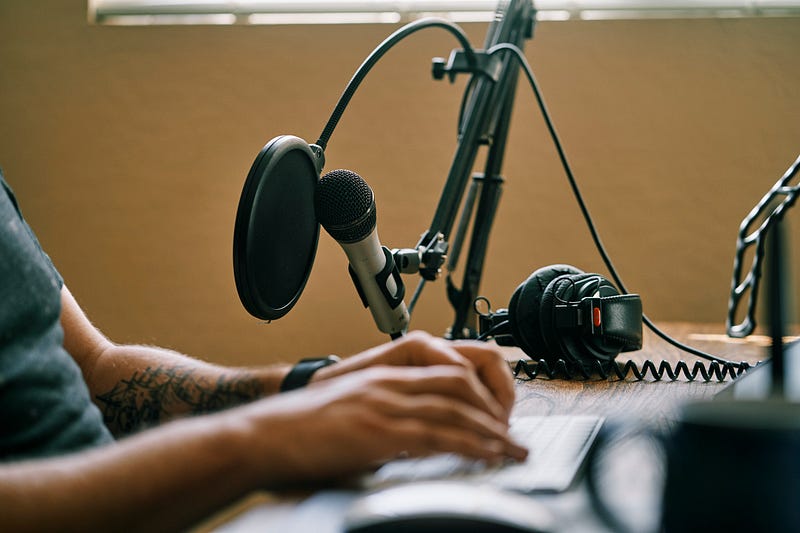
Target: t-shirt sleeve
[[30, 232]]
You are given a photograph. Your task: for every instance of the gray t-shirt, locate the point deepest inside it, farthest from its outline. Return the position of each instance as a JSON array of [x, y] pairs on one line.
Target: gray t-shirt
[[45, 408]]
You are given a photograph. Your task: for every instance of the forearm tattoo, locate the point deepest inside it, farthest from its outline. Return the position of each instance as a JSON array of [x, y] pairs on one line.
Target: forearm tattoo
[[155, 394]]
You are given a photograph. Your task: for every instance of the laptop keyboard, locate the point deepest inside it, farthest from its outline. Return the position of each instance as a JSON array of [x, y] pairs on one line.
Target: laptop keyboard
[[558, 446]]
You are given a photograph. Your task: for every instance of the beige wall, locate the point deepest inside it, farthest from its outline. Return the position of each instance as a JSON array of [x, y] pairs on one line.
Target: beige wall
[[128, 147]]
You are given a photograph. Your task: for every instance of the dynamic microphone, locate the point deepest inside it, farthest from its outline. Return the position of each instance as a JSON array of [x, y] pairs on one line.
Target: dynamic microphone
[[345, 206]]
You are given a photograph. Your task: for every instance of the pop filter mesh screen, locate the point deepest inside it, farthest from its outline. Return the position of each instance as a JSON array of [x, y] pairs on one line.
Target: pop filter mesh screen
[[276, 234]]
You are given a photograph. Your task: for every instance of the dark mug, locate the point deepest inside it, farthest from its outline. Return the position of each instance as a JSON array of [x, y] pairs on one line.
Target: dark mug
[[734, 466], [726, 465]]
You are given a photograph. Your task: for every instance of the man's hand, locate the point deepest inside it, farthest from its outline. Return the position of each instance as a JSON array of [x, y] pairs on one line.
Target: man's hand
[[346, 425], [421, 349]]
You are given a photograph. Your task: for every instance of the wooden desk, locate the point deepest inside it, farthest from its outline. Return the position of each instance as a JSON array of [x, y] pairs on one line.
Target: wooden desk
[[649, 401]]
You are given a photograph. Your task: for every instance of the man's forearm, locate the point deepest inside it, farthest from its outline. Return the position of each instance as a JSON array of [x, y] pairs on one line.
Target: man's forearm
[[138, 386], [161, 480]]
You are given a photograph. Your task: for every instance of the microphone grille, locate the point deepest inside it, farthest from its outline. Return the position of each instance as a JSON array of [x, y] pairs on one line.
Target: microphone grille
[[345, 205]]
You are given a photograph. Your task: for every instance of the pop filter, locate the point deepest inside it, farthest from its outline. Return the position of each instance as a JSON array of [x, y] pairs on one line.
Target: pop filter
[[276, 232]]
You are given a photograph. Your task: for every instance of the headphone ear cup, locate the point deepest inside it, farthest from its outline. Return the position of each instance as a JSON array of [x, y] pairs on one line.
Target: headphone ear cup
[[524, 311], [578, 347], [561, 289]]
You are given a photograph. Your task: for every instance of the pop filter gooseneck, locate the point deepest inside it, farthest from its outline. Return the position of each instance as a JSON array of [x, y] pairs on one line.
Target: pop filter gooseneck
[[379, 52]]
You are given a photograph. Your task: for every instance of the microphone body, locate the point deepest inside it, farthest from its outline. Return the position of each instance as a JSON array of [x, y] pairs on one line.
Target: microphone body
[[345, 207]]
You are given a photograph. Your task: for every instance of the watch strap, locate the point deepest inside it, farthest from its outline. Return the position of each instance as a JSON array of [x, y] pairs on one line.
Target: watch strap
[[301, 373]]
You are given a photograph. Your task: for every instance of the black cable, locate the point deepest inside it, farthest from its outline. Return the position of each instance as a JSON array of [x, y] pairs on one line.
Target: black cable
[[630, 370], [379, 52], [492, 330], [463, 106], [415, 297], [584, 210]]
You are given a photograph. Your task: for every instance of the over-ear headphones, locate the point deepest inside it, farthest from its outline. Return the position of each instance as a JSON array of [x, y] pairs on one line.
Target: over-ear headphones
[[561, 312]]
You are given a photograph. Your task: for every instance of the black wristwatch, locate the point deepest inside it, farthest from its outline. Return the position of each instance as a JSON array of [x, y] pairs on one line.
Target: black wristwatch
[[301, 373]]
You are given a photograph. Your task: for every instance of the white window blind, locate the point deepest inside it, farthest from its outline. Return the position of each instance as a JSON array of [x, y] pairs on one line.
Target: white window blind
[[335, 11]]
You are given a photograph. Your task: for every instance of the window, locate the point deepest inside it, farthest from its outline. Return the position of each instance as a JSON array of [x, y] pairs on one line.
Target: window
[[389, 11]]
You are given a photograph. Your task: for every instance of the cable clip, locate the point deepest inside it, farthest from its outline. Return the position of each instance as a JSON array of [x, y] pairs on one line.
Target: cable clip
[[488, 65]]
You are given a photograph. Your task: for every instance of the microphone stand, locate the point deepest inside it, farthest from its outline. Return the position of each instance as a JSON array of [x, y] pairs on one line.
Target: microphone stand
[[489, 100]]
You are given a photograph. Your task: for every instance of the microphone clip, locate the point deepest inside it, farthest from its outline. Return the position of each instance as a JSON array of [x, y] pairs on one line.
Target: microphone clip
[[390, 270]]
